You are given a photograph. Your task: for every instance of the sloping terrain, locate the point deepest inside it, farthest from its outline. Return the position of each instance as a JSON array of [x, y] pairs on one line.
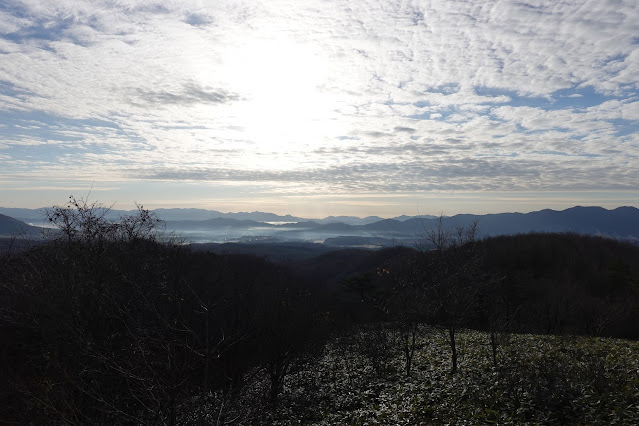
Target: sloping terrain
[[537, 380], [13, 227]]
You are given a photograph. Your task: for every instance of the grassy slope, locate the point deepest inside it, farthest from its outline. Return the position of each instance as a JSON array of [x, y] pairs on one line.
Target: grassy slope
[[540, 379]]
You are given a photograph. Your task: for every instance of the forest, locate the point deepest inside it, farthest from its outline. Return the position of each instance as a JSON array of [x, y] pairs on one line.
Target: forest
[[114, 322]]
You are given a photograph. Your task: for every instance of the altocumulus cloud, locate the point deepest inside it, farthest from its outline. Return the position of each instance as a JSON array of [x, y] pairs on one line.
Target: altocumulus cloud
[[187, 95], [367, 95]]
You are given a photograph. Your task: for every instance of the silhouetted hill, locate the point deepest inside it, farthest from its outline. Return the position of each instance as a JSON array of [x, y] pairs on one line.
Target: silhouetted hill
[[91, 311], [272, 251], [334, 266], [548, 283], [356, 241], [568, 283], [13, 227]]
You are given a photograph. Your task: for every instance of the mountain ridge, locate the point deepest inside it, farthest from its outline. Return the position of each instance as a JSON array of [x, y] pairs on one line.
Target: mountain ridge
[[38, 215], [621, 223], [10, 226]]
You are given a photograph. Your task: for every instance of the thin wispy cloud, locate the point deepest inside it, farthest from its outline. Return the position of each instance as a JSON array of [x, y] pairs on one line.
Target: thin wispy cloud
[[340, 96]]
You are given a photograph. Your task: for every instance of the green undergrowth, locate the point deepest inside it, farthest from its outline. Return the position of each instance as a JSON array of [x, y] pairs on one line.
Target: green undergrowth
[[537, 380]]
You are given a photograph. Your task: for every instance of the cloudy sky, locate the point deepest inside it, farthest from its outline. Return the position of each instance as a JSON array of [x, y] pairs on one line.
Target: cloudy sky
[[318, 107]]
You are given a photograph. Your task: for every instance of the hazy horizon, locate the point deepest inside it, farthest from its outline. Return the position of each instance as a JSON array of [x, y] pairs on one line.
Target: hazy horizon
[[283, 214]]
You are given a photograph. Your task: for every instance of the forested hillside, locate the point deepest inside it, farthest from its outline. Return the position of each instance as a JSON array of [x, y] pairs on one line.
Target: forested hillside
[[111, 322]]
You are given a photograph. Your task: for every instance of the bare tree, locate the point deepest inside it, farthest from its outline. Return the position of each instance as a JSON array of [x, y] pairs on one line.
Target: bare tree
[[111, 319], [450, 275], [396, 292]]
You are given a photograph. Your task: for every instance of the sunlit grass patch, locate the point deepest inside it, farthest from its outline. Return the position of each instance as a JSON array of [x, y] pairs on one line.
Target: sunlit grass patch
[[538, 379]]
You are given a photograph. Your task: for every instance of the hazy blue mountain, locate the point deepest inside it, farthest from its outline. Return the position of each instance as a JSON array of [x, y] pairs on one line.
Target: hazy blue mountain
[[13, 227], [191, 214], [186, 214], [202, 214], [387, 225], [214, 223], [263, 217], [622, 223], [403, 217], [24, 215], [38, 215], [349, 220]]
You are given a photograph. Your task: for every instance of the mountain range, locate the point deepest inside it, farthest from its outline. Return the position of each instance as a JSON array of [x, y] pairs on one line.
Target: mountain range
[[199, 225], [37, 216], [10, 227]]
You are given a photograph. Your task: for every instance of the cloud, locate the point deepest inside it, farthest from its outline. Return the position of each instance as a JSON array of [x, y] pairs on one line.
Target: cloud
[[404, 129], [459, 175], [189, 94], [368, 95]]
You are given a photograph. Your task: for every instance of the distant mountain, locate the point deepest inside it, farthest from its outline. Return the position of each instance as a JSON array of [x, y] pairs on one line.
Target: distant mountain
[[201, 214], [403, 217], [180, 214], [13, 227], [349, 220], [390, 225], [188, 214], [262, 217], [38, 215], [214, 223], [620, 223], [24, 215]]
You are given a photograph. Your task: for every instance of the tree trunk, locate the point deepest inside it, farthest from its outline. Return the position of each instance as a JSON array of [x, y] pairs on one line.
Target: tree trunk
[[409, 347], [453, 348], [493, 346]]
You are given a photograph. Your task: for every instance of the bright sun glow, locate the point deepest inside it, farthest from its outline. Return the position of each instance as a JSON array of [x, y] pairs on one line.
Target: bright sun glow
[[282, 108]]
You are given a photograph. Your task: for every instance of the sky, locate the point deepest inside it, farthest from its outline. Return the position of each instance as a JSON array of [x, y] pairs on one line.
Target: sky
[[321, 107]]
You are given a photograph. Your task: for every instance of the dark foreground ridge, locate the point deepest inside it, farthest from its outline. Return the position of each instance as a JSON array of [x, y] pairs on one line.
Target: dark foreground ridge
[[112, 323]]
